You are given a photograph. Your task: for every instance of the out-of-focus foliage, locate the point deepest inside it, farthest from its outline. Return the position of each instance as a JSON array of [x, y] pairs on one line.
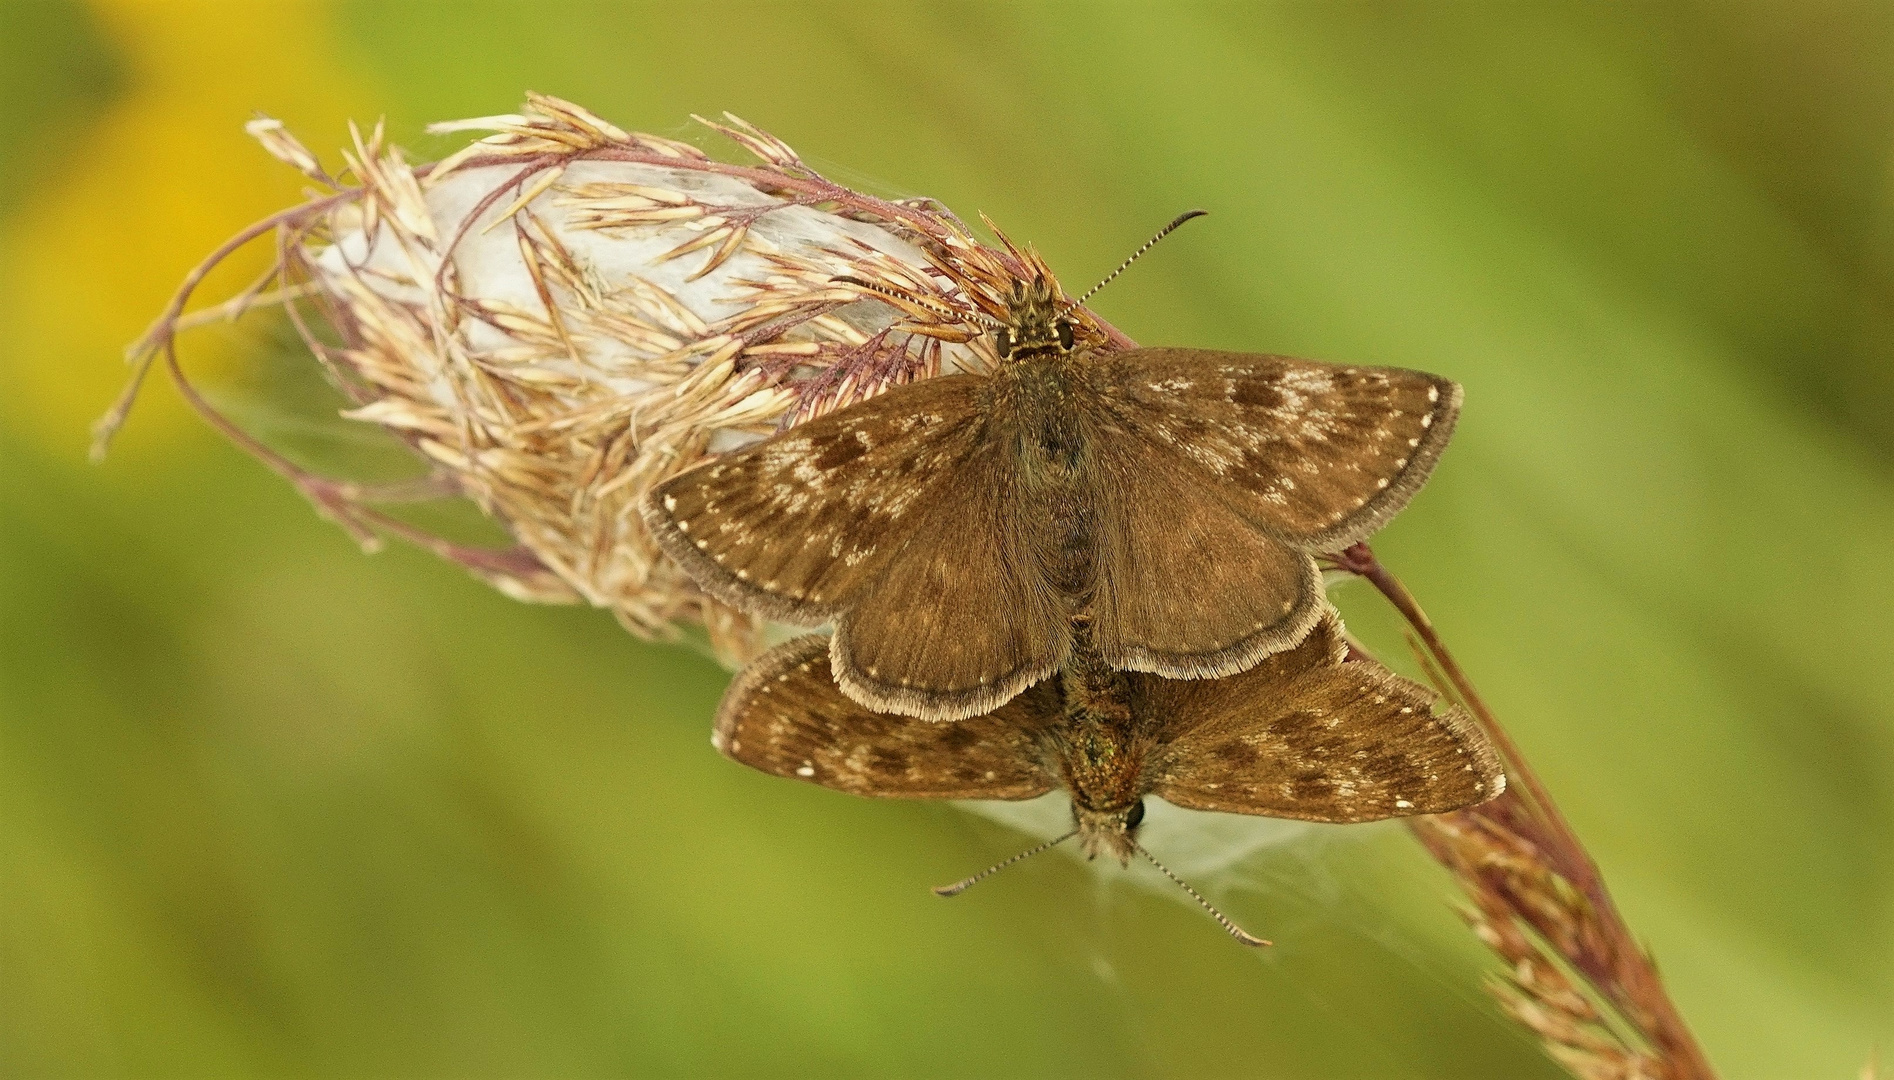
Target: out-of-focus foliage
[[268, 807]]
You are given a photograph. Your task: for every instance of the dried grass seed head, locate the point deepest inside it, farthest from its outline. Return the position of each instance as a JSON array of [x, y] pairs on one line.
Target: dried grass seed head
[[563, 313]]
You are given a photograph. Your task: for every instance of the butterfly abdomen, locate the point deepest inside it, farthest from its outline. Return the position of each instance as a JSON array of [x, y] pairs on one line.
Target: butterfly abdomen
[[1101, 744]]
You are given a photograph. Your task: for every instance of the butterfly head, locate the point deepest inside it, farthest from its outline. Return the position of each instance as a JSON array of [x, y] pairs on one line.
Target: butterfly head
[[1038, 321], [1111, 832]]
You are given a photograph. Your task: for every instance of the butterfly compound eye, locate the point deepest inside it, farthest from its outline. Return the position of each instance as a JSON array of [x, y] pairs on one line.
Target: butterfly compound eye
[[1003, 341], [1065, 334], [1136, 817]]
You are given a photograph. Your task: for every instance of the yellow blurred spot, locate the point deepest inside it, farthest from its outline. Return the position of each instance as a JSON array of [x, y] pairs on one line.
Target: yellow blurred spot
[[165, 176]]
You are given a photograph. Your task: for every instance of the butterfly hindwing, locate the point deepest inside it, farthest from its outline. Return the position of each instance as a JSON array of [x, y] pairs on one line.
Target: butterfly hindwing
[[1305, 735], [795, 527], [784, 715], [1319, 455]]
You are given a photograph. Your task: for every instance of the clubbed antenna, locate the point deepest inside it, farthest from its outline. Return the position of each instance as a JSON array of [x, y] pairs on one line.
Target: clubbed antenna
[[1223, 920], [910, 298], [959, 887], [1148, 245]]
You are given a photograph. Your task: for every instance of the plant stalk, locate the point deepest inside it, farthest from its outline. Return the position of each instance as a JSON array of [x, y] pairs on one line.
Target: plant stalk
[[1536, 890]]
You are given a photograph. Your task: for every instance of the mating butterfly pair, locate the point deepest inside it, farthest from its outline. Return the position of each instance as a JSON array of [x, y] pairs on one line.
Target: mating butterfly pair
[[1069, 571]]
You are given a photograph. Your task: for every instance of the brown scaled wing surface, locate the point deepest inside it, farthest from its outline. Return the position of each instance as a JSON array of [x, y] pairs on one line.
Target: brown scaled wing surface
[[784, 715], [898, 511], [1305, 735], [1203, 485], [1301, 735]]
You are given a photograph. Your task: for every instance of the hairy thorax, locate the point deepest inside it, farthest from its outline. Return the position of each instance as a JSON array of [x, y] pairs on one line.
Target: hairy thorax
[[1040, 417]]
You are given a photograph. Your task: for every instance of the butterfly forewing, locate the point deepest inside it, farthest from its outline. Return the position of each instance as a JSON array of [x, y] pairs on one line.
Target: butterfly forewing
[[784, 715], [1320, 455], [1305, 736], [795, 527], [960, 621], [900, 518], [1186, 587]]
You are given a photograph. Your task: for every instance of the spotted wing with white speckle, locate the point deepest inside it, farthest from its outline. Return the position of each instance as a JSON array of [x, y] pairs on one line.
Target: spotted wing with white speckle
[[963, 617], [1305, 735], [784, 715], [795, 527], [1318, 455], [900, 518]]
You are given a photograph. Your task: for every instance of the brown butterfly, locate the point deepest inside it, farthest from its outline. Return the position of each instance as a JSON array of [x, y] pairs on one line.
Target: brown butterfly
[[1302, 734], [952, 528]]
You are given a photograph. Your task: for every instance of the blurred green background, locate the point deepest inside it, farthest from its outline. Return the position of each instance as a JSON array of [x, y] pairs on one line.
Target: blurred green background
[[271, 808]]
